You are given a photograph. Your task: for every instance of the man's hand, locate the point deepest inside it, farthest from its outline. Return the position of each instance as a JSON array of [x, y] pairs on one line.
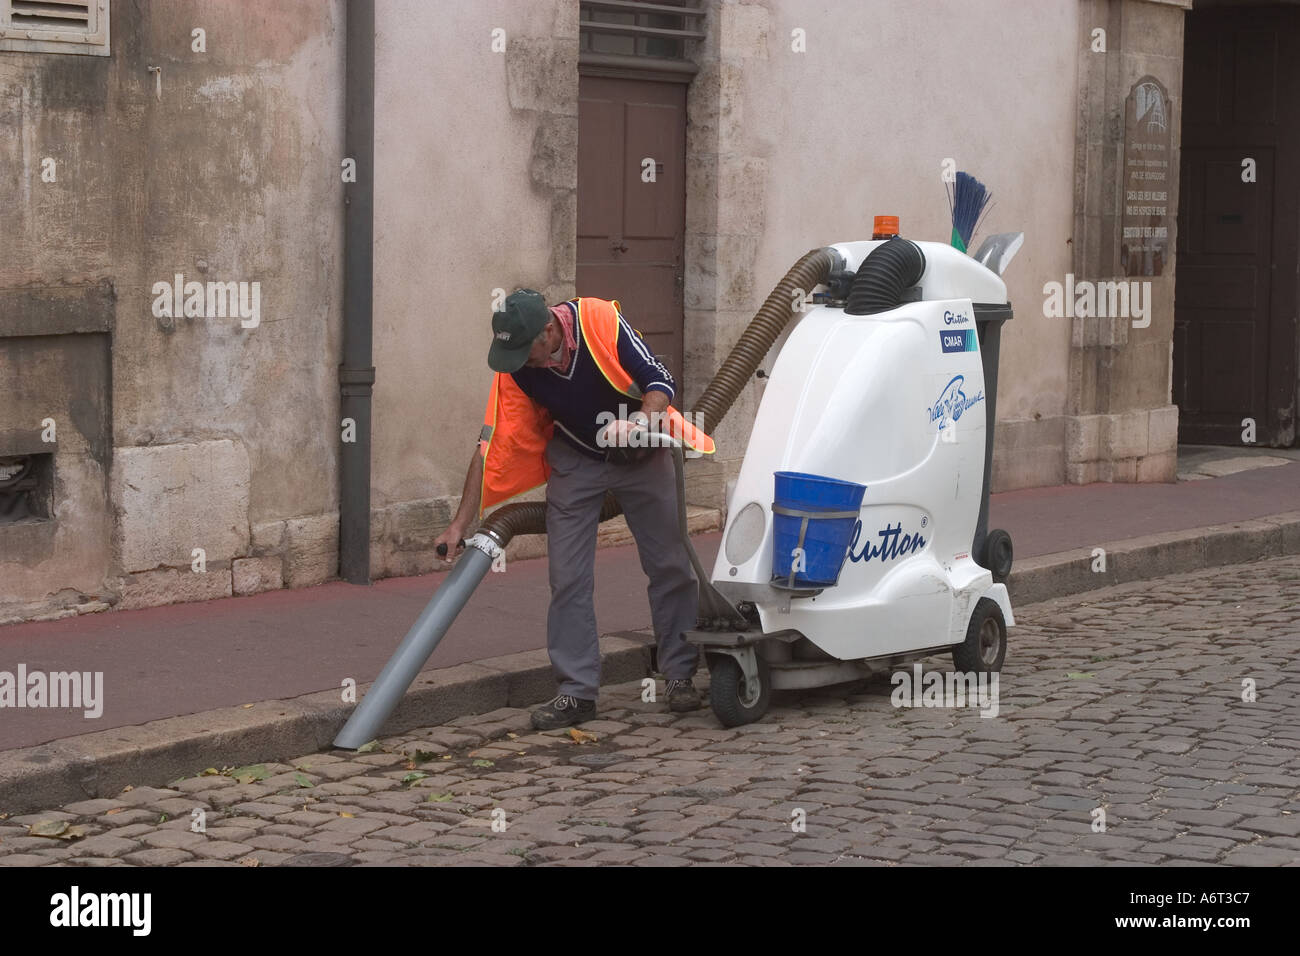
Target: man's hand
[[451, 542], [627, 442], [623, 433]]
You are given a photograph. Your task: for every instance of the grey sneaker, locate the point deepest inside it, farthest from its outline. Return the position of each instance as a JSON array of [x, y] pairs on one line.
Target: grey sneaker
[[563, 711], [682, 696]]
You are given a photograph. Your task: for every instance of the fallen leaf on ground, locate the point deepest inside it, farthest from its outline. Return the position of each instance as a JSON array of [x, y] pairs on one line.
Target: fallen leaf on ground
[[109, 813], [344, 813], [580, 737], [367, 747], [302, 780], [210, 772], [245, 706], [482, 763], [249, 774], [1079, 675], [414, 775], [250, 861], [56, 829], [438, 798]]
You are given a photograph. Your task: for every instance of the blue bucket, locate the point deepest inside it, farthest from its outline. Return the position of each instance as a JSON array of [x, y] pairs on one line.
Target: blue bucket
[[830, 508]]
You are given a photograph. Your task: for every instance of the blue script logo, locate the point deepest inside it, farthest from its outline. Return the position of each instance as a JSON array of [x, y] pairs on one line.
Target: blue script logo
[[962, 340], [893, 544], [955, 318], [952, 402]]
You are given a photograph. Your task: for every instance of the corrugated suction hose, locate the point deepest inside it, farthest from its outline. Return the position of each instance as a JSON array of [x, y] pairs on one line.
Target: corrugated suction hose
[[755, 342], [880, 280]]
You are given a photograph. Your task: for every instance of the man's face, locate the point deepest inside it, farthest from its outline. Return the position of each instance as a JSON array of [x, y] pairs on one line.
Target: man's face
[[539, 356]]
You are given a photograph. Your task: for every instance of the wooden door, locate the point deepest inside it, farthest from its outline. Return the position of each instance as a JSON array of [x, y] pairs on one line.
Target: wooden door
[[1236, 296], [632, 204]]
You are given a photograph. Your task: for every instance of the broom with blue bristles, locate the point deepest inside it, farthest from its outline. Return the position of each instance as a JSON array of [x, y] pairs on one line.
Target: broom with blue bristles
[[968, 200]]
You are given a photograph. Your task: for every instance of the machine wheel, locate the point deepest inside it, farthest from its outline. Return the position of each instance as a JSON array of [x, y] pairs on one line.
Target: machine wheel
[[734, 700], [986, 640], [998, 554]]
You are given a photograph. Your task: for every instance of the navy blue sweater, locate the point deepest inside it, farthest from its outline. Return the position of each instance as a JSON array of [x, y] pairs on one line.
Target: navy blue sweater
[[577, 396]]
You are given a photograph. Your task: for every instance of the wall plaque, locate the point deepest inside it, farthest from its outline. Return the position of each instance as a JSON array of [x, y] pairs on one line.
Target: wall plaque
[[1144, 237]]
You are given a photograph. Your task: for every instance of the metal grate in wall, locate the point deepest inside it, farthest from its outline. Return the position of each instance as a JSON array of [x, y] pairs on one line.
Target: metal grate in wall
[[54, 26], [636, 32], [50, 14]]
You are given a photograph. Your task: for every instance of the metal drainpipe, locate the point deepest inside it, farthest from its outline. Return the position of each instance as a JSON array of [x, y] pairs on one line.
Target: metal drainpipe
[[356, 373]]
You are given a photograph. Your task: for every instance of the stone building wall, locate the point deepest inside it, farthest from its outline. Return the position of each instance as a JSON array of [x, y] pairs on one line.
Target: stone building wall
[[174, 432], [1121, 425], [188, 441]]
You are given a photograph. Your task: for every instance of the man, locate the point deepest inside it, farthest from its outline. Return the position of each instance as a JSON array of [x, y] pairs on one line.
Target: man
[[557, 414]]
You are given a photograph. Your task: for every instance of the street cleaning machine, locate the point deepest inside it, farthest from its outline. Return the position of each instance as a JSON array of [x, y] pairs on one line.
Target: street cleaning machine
[[856, 536]]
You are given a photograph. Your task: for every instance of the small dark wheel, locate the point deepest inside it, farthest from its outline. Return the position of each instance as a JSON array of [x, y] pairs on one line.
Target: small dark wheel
[[985, 646], [735, 700], [998, 555]]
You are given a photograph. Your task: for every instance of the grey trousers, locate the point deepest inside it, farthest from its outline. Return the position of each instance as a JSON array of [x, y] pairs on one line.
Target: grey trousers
[[648, 494]]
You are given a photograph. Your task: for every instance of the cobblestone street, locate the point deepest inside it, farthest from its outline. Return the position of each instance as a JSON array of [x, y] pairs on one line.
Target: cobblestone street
[[1128, 699]]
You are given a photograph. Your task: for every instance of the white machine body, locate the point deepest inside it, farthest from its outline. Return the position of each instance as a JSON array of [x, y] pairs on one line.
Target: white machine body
[[895, 401]]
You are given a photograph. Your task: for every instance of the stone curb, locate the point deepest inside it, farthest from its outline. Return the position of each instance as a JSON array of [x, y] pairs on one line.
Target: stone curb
[[101, 764], [1153, 556]]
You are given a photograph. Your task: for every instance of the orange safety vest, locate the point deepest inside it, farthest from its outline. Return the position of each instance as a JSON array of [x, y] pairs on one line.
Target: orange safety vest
[[516, 429]]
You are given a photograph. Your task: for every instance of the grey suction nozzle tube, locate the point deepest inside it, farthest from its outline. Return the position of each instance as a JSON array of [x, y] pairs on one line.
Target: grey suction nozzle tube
[[419, 643]]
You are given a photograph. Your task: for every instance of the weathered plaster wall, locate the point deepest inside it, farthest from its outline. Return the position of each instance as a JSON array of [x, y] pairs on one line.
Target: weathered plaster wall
[[230, 174], [477, 178], [790, 151]]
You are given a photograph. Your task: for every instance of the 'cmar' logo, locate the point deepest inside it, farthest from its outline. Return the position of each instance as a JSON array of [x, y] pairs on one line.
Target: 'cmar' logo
[[952, 402], [955, 318], [958, 340]]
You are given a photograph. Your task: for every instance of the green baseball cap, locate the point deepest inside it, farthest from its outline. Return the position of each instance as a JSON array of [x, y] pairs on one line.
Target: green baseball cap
[[514, 328]]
